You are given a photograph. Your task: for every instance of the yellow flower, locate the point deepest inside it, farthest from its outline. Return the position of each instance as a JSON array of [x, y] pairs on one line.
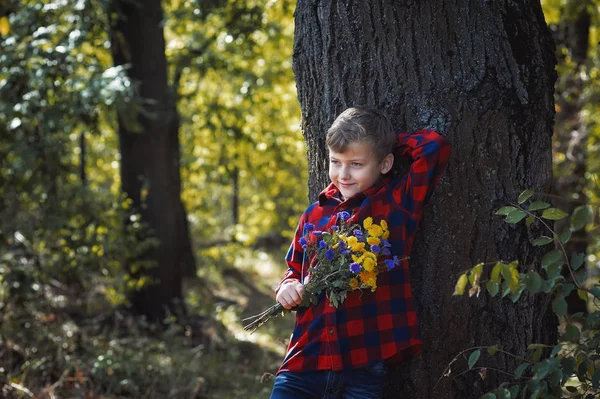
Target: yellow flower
[[373, 283], [357, 259], [353, 284], [358, 247], [383, 225], [352, 241], [368, 222], [365, 277], [371, 255], [369, 264], [373, 241], [385, 235], [375, 230]]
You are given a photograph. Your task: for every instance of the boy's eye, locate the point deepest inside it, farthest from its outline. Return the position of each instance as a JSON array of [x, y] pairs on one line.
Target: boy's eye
[[333, 161], [356, 164]]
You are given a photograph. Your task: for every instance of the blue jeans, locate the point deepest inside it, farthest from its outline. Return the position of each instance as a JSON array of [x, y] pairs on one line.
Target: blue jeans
[[363, 383]]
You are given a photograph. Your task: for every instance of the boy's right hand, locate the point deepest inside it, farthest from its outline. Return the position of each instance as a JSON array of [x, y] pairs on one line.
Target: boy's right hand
[[290, 294]]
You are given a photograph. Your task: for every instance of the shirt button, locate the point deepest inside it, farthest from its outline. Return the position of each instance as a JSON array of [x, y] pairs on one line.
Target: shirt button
[[331, 331]]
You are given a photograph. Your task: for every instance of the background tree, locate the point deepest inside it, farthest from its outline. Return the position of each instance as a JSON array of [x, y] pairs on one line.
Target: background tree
[[483, 76], [150, 154]]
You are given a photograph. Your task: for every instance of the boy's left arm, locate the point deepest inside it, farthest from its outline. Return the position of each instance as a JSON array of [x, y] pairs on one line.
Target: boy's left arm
[[429, 152]]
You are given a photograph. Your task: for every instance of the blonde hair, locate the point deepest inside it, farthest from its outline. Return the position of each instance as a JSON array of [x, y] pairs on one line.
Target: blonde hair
[[364, 125]]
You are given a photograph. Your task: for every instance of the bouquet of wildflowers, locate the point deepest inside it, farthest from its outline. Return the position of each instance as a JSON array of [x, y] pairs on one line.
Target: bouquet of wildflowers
[[346, 258]]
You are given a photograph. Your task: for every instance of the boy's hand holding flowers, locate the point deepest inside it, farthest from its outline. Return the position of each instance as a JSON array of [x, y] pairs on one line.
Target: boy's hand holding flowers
[[290, 294], [346, 258]]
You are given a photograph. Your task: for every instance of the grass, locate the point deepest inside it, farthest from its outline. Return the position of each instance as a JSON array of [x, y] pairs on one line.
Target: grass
[[82, 347]]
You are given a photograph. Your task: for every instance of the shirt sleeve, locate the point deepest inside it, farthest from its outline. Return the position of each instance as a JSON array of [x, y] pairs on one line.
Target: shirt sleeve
[[429, 152], [294, 257]]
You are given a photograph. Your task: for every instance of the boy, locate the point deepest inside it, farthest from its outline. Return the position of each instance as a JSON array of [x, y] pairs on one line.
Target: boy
[[343, 352]]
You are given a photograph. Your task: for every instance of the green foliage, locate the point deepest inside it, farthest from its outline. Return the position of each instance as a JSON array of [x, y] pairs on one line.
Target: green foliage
[[230, 63], [568, 368], [62, 238]]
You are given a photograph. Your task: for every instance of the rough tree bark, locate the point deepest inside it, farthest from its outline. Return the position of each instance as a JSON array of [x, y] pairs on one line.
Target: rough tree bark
[[482, 74], [150, 157]]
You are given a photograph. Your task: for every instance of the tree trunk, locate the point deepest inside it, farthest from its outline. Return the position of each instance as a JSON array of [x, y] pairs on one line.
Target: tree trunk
[[482, 74], [150, 157]]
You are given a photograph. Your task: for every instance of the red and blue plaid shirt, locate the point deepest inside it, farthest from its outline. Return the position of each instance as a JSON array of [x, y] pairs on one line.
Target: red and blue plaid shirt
[[369, 326]]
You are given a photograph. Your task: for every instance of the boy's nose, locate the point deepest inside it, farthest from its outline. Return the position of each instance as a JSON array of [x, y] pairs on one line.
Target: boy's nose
[[345, 173]]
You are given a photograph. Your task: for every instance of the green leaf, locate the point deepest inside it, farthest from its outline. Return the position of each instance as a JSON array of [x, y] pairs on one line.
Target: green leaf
[[459, 288], [505, 210], [537, 354], [520, 370], [538, 205], [568, 365], [582, 215], [514, 392], [475, 273], [554, 214], [492, 350], [543, 240], [559, 306], [571, 333], [473, 358], [495, 275], [553, 272], [529, 221], [565, 236], [516, 294], [533, 282], [551, 257], [532, 347], [577, 260], [565, 289], [515, 216], [596, 379], [489, 395], [555, 379], [545, 367], [557, 348], [492, 288], [524, 196]]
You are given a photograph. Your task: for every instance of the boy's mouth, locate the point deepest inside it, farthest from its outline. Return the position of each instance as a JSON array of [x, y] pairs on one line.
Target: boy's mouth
[[346, 185]]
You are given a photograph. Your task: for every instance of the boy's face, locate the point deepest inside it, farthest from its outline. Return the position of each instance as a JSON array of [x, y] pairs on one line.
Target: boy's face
[[356, 169]]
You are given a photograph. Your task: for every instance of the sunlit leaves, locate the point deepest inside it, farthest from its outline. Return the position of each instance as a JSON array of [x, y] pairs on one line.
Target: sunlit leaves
[[240, 117]]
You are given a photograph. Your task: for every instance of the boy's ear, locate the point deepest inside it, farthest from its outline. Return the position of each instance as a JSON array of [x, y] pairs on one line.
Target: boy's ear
[[387, 163]]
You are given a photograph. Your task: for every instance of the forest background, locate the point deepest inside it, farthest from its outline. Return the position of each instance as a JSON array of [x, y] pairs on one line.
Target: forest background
[[82, 260]]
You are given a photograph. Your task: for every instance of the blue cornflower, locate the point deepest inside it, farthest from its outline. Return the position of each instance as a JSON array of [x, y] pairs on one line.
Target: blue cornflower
[[390, 264], [334, 228], [344, 251], [341, 244], [396, 260], [386, 243], [317, 233], [322, 244], [386, 251], [329, 254], [357, 233], [343, 215], [375, 249], [354, 267], [302, 241], [309, 227]]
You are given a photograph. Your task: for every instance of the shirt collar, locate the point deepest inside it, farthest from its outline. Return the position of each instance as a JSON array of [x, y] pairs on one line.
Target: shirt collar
[[333, 193]]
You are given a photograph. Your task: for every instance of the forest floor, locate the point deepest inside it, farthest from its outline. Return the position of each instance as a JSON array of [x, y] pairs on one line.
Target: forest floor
[[76, 345]]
